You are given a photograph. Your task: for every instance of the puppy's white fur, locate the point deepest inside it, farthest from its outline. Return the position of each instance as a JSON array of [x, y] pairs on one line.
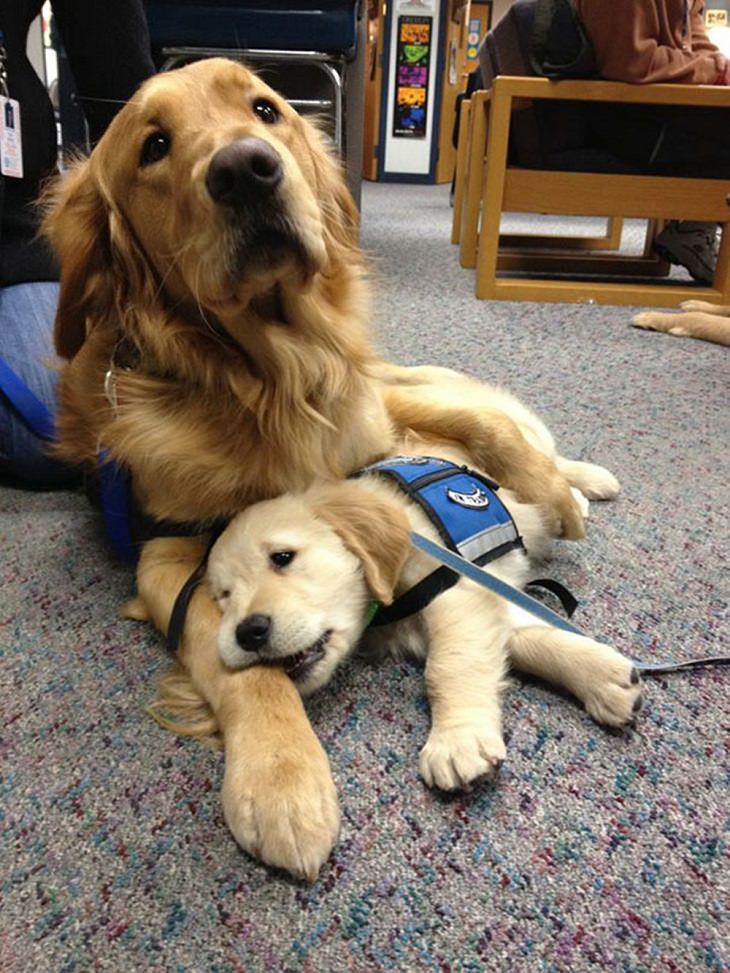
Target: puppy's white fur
[[350, 541]]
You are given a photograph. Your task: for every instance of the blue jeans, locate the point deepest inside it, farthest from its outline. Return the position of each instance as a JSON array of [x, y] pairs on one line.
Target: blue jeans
[[26, 344]]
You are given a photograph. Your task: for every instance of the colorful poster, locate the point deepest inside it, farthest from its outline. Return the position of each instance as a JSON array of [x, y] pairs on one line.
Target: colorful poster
[[411, 81], [472, 38]]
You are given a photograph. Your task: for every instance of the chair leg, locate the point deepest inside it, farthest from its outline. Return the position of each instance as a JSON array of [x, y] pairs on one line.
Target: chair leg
[[460, 174], [653, 229], [494, 176], [614, 230], [474, 179]]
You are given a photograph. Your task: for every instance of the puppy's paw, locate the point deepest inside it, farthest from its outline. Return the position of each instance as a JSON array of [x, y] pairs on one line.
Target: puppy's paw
[[282, 805], [456, 757], [582, 501], [609, 686]]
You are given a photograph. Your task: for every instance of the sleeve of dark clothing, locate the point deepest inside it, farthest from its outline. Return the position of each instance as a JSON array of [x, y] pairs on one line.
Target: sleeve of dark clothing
[[108, 47]]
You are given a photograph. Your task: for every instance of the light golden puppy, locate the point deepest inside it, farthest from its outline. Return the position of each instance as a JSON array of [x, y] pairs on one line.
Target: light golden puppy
[[294, 578]]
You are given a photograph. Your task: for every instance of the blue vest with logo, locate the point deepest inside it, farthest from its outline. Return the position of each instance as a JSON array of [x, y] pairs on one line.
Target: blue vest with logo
[[462, 505]]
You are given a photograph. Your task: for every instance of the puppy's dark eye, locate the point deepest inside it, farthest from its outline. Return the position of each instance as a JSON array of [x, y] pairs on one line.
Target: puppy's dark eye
[[156, 147], [280, 559], [266, 111]]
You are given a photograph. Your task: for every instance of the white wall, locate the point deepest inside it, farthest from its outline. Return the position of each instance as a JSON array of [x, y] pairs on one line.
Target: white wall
[[34, 48], [411, 155]]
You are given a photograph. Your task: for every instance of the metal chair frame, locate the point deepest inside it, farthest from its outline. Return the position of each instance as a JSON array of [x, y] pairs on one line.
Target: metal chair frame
[[332, 66]]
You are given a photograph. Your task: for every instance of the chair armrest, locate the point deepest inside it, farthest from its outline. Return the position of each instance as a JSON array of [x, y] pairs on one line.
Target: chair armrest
[[710, 96]]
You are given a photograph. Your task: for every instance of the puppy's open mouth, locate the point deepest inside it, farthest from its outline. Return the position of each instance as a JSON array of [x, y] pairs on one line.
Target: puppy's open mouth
[[298, 665]]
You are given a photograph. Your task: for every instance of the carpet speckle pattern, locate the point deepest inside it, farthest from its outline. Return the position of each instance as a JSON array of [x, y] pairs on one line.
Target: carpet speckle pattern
[[594, 851]]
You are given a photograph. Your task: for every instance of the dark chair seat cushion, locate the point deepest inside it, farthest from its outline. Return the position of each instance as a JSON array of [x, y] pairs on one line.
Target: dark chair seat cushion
[[553, 135], [329, 26]]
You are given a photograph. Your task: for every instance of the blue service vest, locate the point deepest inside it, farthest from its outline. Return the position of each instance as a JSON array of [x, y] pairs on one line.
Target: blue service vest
[[462, 505]]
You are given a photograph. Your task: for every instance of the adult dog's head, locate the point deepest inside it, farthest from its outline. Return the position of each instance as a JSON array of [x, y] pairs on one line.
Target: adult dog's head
[[207, 193]]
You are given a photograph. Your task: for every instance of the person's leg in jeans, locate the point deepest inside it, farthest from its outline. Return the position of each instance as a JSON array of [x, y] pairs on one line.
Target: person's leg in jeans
[[26, 345]]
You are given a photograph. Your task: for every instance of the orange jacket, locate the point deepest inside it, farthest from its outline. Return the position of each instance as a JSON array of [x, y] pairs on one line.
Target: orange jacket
[[644, 41]]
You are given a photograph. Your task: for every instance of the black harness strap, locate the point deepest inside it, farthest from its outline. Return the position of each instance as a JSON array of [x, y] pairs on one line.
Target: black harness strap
[[180, 608], [443, 578], [565, 597], [416, 598]]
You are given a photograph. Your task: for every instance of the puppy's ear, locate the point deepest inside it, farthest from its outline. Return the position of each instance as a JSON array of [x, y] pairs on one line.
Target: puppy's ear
[[372, 527], [76, 223]]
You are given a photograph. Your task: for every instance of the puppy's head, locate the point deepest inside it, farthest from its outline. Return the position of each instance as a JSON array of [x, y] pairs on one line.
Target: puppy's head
[[206, 191], [294, 576]]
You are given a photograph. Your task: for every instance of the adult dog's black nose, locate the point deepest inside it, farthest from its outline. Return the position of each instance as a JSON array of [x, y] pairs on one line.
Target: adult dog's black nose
[[252, 633], [243, 171]]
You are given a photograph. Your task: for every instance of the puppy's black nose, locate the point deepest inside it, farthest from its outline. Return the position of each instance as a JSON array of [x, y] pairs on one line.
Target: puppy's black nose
[[246, 170], [252, 633]]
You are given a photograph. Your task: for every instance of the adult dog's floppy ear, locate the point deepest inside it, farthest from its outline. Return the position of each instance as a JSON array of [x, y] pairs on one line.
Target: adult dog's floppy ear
[[76, 224], [341, 216], [373, 528]]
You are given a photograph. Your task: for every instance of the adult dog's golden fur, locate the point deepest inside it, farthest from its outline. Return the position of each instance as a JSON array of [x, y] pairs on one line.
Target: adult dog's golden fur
[[217, 347], [697, 319]]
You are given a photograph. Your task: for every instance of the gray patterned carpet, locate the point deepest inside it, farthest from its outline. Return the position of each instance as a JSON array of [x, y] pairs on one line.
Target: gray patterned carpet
[[594, 852]]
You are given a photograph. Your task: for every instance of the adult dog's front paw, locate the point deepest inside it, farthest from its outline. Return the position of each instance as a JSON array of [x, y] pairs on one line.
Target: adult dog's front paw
[[280, 803], [455, 757], [562, 507]]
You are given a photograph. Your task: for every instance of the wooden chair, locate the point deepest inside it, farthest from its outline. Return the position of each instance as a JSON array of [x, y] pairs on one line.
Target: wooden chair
[[467, 184], [491, 186]]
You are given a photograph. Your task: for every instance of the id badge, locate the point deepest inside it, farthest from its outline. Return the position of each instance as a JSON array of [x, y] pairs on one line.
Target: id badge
[[11, 144]]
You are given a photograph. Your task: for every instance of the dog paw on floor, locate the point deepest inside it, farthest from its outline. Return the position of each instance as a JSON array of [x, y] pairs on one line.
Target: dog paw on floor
[[697, 319], [455, 757]]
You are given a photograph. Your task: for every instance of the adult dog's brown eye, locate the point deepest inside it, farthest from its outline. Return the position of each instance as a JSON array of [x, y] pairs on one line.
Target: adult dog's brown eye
[[156, 147], [266, 111], [280, 559]]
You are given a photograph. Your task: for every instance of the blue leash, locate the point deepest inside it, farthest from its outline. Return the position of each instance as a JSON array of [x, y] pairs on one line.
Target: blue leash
[[536, 608]]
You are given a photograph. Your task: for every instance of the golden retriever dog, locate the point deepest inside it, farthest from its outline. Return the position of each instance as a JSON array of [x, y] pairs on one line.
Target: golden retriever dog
[[698, 319], [213, 316], [294, 578]]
